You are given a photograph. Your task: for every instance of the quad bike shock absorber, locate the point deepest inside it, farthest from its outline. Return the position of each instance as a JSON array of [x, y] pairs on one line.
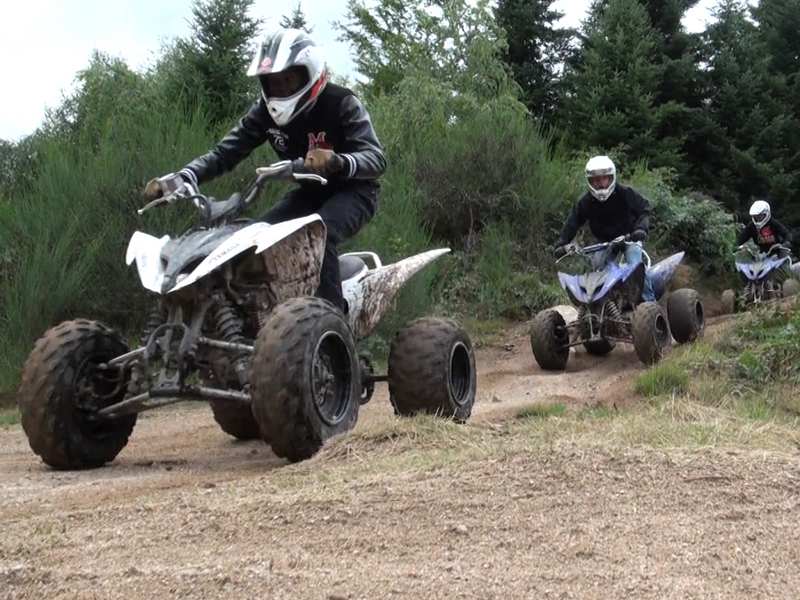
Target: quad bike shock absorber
[[613, 316], [230, 328], [155, 318]]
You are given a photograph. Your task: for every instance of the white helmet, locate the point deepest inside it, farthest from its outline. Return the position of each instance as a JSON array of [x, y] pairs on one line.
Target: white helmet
[[760, 213], [283, 50], [597, 166]]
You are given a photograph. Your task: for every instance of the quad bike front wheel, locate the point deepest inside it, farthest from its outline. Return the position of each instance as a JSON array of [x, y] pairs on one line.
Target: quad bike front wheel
[[304, 381], [432, 370], [686, 315], [64, 384], [651, 335], [550, 340]]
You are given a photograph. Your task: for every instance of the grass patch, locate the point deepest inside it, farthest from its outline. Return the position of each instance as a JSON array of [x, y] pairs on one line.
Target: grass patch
[[9, 417], [665, 379], [542, 411]]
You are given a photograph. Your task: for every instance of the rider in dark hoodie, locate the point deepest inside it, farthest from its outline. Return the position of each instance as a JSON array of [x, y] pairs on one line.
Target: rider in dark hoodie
[[302, 115]]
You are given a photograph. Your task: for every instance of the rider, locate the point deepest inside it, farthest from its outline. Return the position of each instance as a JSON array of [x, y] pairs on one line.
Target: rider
[[764, 230], [612, 210], [302, 115]]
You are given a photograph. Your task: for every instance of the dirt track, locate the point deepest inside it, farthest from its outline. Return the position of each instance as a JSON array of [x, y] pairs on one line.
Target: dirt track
[[185, 511]]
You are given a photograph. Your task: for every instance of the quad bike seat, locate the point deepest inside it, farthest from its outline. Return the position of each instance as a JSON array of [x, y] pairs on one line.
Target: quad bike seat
[[350, 266]]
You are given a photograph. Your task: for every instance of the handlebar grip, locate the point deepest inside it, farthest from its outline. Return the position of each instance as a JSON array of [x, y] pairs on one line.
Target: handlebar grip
[[299, 165]]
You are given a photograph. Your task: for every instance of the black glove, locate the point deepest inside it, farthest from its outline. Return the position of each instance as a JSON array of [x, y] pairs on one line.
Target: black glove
[[638, 235], [560, 250]]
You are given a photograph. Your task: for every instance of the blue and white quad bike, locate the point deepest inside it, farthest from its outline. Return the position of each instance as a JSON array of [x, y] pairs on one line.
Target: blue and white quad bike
[[766, 276], [236, 324], [607, 293]]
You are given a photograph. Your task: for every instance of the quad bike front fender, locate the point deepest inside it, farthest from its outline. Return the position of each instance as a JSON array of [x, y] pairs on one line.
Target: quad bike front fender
[[371, 295], [145, 250]]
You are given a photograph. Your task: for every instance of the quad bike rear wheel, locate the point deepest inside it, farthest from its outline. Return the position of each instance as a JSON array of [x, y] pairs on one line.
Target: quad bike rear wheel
[[304, 381], [686, 315], [599, 347], [432, 370], [651, 335], [235, 419], [550, 340], [728, 302], [791, 287], [64, 384]]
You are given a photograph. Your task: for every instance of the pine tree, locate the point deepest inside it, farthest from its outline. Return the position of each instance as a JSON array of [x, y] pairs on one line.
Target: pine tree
[[297, 20], [611, 105], [210, 66], [536, 50]]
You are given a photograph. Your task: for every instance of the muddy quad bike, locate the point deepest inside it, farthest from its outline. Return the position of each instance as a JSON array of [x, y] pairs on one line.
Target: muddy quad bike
[[764, 275], [235, 324], [607, 293]]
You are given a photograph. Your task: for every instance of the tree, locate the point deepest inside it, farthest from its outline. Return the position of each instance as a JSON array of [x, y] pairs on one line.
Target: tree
[[456, 42], [778, 21], [611, 104], [297, 20], [536, 50], [756, 153], [210, 67]]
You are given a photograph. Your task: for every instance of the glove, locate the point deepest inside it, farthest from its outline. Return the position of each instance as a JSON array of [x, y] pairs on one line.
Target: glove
[[560, 250], [638, 235], [323, 162], [162, 186]]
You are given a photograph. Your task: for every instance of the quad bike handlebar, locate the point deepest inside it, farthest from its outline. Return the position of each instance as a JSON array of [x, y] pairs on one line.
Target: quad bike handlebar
[[622, 241], [216, 210]]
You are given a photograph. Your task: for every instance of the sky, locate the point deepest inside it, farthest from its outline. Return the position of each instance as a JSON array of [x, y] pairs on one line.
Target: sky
[[44, 43]]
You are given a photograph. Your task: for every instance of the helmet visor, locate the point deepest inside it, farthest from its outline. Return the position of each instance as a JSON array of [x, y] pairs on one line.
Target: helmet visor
[[600, 182], [761, 218], [284, 84]]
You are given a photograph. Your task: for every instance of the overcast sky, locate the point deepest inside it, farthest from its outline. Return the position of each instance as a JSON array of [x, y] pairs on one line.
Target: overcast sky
[[43, 43]]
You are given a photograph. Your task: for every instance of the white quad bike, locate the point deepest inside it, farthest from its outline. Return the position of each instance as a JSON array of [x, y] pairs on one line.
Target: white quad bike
[[236, 324]]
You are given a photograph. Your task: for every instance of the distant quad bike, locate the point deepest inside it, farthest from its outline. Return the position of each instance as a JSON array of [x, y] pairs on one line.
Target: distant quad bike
[[764, 275], [235, 323], [607, 293]]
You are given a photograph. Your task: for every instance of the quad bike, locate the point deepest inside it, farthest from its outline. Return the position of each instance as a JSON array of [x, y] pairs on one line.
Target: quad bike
[[764, 276], [607, 293], [235, 324]]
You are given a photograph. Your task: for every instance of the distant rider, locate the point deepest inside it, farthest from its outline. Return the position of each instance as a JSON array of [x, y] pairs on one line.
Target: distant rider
[[763, 229]]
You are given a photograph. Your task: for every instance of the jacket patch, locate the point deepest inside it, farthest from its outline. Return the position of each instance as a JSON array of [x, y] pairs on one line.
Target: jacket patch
[[278, 139], [317, 140]]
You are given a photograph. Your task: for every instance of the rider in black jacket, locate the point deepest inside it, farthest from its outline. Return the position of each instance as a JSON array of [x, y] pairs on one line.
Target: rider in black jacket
[[302, 115], [612, 210]]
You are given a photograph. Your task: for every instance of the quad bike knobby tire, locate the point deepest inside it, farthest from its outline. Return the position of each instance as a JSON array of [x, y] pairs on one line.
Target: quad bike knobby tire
[[728, 302], [549, 340], [235, 419], [791, 287], [304, 380], [432, 370], [686, 315], [651, 335], [62, 387]]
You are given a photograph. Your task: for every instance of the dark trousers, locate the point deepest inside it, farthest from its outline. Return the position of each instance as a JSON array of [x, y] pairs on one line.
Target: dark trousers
[[344, 210]]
